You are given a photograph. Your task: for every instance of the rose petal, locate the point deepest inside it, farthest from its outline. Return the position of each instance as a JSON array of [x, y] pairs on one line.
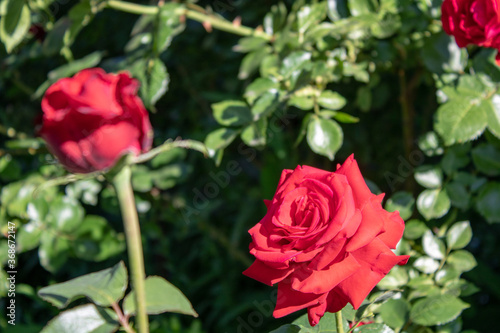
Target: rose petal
[[376, 260], [320, 282], [289, 300], [360, 190], [265, 274]]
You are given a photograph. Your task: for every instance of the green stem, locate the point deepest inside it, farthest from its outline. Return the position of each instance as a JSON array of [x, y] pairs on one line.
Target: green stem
[[338, 319], [215, 21], [168, 145], [123, 186]]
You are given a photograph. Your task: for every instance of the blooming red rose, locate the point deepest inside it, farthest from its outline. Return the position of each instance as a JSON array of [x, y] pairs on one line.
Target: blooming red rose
[[93, 118], [326, 241], [472, 22]]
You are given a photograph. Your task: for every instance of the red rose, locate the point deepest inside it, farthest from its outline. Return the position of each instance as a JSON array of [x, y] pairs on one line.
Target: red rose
[[326, 241], [472, 22], [93, 118]]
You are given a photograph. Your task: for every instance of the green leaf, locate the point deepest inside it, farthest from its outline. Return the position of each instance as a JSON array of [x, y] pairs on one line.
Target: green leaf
[[86, 190], [455, 158], [252, 61], [337, 9], [295, 61], [437, 310], [10, 169], [396, 278], [161, 296], [494, 115], [486, 158], [169, 156], [426, 265], [142, 179], [53, 251], [395, 312], [154, 79], [75, 66], [308, 16], [331, 100], [458, 194], [342, 117], [403, 202], [433, 203], [96, 240], [232, 113], [303, 129], [429, 143], [168, 25], [80, 15], [429, 176], [433, 246], [103, 288], [248, 44], [275, 19], [266, 104], [327, 324], [14, 23], [324, 136], [461, 260], [487, 202], [386, 27], [288, 328], [446, 274], [28, 237], [259, 87], [372, 328], [459, 235], [254, 135], [462, 119], [441, 54], [364, 98], [83, 319], [219, 139], [360, 7], [65, 214], [414, 229], [301, 102], [170, 175]]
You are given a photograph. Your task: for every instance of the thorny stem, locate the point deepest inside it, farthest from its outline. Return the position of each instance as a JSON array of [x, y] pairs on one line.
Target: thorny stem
[[215, 21]]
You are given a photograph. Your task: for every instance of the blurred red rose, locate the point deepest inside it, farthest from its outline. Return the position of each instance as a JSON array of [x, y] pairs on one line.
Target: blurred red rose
[[93, 118], [326, 241], [472, 22]]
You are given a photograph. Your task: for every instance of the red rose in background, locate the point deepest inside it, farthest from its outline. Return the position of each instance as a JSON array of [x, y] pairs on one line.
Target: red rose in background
[[326, 241], [472, 22], [93, 118]]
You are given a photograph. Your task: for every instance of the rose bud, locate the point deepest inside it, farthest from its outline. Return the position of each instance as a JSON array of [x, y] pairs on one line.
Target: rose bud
[[94, 118], [326, 241]]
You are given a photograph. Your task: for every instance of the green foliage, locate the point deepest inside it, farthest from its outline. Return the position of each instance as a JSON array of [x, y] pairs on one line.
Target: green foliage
[[14, 23], [105, 289], [436, 310], [83, 319], [161, 296]]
